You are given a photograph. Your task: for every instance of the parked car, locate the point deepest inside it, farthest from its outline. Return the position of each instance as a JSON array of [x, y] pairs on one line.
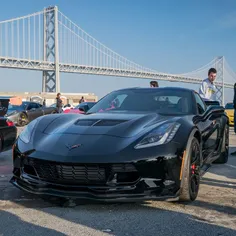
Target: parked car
[[8, 130], [133, 144], [64, 107], [229, 109], [22, 114], [82, 108]]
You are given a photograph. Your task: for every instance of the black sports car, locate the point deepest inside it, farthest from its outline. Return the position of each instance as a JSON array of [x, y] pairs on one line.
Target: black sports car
[[7, 128], [140, 143], [22, 114]]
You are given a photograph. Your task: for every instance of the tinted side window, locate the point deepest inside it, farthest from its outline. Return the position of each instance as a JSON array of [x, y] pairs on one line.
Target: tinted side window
[[32, 105], [200, 104], [29, 106]]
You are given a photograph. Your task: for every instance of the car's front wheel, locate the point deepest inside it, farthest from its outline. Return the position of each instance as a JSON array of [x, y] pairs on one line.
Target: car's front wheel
[[190, 180], [22, 119]]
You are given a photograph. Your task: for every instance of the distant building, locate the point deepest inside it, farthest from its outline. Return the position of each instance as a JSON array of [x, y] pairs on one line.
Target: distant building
[[68, 98]]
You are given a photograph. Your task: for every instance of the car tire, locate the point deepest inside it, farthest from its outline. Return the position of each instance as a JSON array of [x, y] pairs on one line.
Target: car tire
[[224, 155], [20, 117], [190, 180]]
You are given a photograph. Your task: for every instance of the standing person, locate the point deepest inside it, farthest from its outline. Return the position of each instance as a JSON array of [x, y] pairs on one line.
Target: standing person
[[154, 84], [234, 102], [208, 89], [81, 100], [59, 103]]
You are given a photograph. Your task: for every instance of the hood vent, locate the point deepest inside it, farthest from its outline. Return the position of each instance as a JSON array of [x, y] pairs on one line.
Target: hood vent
[[86, 122], [99, 122]]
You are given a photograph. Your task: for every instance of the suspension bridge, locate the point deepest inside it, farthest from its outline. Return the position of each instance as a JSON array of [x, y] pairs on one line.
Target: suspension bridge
[[50, 42]]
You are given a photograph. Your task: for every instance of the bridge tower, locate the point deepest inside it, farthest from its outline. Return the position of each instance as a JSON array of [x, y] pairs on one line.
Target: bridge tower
[[219, 65], [51, 80]]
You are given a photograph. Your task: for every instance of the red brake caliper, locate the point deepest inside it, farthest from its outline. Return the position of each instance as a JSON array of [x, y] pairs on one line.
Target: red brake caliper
[[193, 168]]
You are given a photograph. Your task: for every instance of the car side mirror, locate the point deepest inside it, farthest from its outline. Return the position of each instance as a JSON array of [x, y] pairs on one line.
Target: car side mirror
[[82, 109]]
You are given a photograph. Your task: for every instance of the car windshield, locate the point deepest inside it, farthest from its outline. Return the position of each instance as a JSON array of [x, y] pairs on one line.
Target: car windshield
[[163, 101], [229, 106], [17, 107]]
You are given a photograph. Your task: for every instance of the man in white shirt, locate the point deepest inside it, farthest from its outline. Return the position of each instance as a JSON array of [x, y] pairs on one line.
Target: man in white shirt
[[208, 89]]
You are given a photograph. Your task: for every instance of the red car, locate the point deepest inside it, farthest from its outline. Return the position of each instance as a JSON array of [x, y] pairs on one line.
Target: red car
[[81, 108]]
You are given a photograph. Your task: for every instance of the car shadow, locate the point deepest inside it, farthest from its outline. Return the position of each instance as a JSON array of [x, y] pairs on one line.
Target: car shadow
[[212, 206], [122, 219], [227, 170], [11, 225], [218, 183]]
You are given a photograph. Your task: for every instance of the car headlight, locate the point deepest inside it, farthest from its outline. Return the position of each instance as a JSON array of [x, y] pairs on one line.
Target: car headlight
[[26, 134], [161, 135]]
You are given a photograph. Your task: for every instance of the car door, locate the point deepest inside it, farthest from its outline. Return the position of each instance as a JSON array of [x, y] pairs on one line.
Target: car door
[[34, 111], [209, 125]]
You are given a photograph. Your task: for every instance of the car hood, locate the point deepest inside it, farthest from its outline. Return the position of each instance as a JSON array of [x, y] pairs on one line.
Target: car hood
[[110, 124], [72, 137], [12, 111], [3, 106]]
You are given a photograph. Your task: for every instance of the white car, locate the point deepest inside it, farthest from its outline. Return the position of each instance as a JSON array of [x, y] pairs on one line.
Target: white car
[[64, 107]]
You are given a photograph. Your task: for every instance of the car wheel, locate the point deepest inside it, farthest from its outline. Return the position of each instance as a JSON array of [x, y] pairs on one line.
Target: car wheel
[[191, 173], [224, 155], [22, 120]]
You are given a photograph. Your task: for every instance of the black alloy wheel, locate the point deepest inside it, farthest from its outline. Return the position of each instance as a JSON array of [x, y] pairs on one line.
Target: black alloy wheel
[[190, 181]]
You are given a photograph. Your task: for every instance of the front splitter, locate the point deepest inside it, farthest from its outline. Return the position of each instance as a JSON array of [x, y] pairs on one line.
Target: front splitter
[[44, 191]]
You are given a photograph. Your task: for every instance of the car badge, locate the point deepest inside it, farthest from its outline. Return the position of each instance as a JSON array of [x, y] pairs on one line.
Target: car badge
[[70, 147]]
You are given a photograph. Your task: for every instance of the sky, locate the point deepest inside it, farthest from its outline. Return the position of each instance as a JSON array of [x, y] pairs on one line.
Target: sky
[[168, 36]]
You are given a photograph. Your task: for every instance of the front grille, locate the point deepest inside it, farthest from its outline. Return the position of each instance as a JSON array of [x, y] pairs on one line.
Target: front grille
[[94, 174]]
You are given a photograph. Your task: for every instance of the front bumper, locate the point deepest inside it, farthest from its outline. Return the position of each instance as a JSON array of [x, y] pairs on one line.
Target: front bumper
[[124, 194], [146, 179]]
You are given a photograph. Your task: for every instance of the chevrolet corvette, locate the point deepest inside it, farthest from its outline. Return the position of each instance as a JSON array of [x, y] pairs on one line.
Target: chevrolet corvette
[[133, 144]]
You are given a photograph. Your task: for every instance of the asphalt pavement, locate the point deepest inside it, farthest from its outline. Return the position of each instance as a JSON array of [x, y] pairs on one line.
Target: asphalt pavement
[[213, 213]]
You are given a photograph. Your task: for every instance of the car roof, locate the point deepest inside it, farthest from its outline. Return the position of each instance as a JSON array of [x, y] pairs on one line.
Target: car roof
[[5, 97], [158, 88]]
